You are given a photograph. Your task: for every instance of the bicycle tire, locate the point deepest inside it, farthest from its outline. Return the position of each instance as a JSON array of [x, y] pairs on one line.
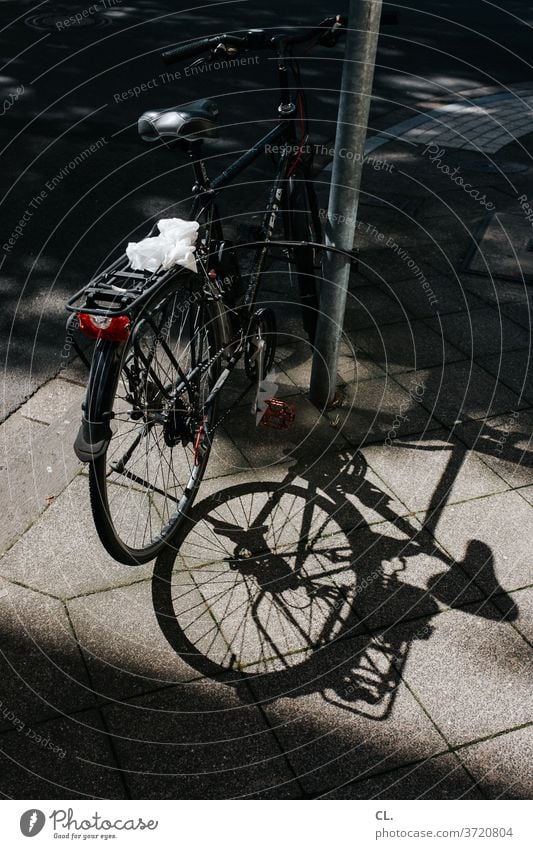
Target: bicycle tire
[[148, 403]]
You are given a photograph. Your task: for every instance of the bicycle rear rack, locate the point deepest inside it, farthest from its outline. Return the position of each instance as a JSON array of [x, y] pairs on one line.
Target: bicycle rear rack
[[118, 290]]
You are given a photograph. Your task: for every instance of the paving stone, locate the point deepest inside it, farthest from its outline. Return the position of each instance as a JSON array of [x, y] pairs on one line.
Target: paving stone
[[370, 307], [62, 758], [491, 539], [75, 370], [432, 471], [375, 410], [61, 553], [53, 400], [504, 443], [451, 295], [17, 434], [225, 457], [42, 669], [354, 366], [501, 293], [460, 391], [523, 606], [435, 778], [37, 471], [359, 497], [402, 576], [481, 332], [124, 646], [264, 447], [405, 347], [344, 715], [502, 765], [521, 312], [483, 662], [513, 369], [527, 493], [197, 741], [502, 247]]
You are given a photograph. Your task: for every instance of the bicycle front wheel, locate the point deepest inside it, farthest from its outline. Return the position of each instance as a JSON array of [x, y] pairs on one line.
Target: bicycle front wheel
[[144, 484]]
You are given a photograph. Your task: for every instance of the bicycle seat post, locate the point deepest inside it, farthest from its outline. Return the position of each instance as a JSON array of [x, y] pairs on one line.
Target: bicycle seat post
[[286, 106], [201, 180]]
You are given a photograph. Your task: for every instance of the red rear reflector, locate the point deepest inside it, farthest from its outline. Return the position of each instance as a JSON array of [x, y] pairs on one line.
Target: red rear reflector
[[116, 329]]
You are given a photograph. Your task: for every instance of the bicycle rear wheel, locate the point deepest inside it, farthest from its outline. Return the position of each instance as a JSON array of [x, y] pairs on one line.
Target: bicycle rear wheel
[[144, 484]]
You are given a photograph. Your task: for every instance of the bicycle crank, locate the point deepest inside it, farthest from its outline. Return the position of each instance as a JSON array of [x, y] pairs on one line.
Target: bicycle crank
[[261, 337]]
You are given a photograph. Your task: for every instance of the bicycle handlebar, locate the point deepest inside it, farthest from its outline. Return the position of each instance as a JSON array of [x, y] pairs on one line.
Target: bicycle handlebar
[[326, 33], [200, 45]]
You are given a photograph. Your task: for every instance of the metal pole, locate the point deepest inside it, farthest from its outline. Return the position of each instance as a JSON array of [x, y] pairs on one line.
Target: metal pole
[[354, 106]]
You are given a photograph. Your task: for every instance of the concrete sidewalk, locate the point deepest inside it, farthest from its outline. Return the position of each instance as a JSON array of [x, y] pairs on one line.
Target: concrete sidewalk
[[382, 648]]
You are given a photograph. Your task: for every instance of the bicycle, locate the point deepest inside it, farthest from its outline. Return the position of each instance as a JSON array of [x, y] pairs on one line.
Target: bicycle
[[167, 341]]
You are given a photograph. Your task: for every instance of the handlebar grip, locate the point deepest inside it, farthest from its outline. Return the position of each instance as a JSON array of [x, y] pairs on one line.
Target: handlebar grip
[[187, 51], [200, 45]]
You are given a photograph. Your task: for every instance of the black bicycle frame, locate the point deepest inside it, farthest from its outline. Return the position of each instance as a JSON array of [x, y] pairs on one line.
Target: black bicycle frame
[[282, 136]]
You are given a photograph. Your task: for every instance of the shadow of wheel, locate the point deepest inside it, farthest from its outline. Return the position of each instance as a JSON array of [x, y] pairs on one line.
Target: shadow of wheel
[[256, 581], [258, 587]]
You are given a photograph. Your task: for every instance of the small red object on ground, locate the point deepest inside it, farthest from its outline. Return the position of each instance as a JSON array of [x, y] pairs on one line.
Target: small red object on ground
[[278, 414]]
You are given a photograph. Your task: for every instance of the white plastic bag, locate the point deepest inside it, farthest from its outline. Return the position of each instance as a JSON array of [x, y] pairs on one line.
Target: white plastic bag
[[175, 245]]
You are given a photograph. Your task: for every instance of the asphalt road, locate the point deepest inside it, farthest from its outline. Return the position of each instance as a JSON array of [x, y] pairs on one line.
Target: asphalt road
[[76, 183]]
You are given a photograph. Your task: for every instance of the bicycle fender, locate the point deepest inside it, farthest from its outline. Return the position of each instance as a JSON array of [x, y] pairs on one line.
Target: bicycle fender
[[92, 440], [95, 431]]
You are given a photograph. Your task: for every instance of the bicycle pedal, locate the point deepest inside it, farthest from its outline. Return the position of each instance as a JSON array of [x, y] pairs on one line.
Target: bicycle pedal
[[278, 415]]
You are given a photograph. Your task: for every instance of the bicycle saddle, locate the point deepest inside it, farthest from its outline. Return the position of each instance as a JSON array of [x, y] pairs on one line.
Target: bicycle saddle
[[195, 122]]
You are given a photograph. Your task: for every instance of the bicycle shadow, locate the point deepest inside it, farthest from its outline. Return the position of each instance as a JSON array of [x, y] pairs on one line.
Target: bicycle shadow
[[312, 584]]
